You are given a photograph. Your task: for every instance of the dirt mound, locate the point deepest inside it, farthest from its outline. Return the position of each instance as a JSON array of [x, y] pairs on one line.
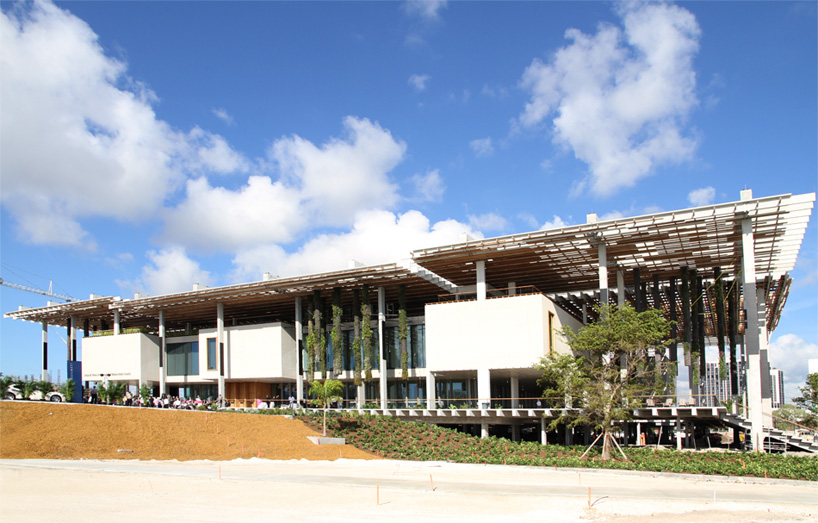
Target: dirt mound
[[74, 431]]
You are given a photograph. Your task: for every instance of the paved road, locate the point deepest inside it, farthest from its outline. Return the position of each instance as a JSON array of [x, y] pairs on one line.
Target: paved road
[[347, 490]]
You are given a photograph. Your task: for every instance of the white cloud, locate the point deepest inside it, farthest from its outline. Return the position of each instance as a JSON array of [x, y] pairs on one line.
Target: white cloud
[[555, 223], [528, 219], [620, 96], [377, 236], [494, 92], [218, 219], [703, 196], [790, 353], [318, 186], [108, 154], [428, 10], [482, 147], [429, 187], [170, 270], [488, 222], [419, 81], [224, 116]]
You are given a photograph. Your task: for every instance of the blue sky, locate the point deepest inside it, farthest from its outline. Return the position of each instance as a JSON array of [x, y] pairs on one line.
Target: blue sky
[[147, 146]]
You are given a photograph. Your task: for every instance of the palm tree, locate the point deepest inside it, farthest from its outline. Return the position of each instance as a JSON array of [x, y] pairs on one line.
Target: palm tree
[[325, 393]]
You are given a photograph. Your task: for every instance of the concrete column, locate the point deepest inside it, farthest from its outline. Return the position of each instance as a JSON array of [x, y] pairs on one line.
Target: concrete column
[[543, 433], [480, 267], [73, 339], [620, 287], [44, 375], [431, 399], [162, 354], [515, 392], [584, 313], [638, 433], [220, 346], [766, 384], [484, 430], [603, 274], [483, 388], [299, 337], [117, 328], [515, 431], [678, 434], [512, 288], [752, 336], [361, 396], [381, 352]]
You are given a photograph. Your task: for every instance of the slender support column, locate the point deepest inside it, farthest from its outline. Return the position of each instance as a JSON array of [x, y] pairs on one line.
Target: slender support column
[[162, 354], [44, 376], [483, 389], [361, 396], [515, 431], [620, 288], [515, 392], [584, 312], [603, 274], [220, 345], [679, 433], [764, 363], [512, 288], [752, 335], [480, 267], [569, 436], [117, 328], [381, 350], [639, 434], [484, 430], [543, 433], [431, 398], [299, 337], [73, 339]]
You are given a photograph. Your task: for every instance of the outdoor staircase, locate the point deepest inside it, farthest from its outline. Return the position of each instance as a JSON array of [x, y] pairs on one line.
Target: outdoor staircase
[[429, 276], [775, 440]]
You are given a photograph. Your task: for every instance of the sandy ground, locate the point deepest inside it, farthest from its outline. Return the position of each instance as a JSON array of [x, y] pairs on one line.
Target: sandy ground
[[97, 463], [31, 429], [352, 490]]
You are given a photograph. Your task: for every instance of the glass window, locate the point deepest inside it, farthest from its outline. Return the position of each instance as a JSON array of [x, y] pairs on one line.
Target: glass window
[[392, 347], [417, 346], [183, 359], [211, 353]]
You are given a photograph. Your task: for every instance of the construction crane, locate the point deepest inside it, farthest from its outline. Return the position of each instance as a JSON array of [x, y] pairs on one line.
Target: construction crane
[[50, 293]]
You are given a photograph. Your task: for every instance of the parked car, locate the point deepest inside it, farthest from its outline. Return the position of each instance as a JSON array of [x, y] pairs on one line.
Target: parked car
[[14, 393]]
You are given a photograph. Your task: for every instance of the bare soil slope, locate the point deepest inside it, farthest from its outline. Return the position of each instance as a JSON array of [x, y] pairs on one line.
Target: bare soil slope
[[73, 431]]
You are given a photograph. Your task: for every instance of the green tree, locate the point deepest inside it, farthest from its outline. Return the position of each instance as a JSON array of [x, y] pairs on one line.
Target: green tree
[[789, 415], [145, 393], [611, 370], [809, 394], [67, 389], [5, 383], [325, 393]]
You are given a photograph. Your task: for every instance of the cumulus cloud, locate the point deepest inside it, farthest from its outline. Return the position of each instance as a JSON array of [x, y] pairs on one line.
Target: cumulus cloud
[[317, 186], [428, 10], [108, 155], [429, 187], [377, 236], [224, 116], [555, 223], [790, 353], [488, 222], [482, 147], [619, 98], [419, 81], [169, 270], [703, 196]]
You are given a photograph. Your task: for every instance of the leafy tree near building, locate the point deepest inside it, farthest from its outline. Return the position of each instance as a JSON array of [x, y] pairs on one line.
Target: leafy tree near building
[[611, 370], [325, 393]]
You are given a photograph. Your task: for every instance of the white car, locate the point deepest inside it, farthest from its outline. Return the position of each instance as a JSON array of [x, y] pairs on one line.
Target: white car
[[14, 393]]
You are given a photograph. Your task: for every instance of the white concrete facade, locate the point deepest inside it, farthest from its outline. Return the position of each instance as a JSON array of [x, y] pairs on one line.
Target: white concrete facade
[[124, 357]]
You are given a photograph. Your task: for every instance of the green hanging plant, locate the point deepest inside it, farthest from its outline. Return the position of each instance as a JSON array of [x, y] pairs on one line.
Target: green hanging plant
[[337, 342], [403, 332], [722, 368], [311, 339], [321, 337], [366, 332], [356, 336], [694, 360]]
